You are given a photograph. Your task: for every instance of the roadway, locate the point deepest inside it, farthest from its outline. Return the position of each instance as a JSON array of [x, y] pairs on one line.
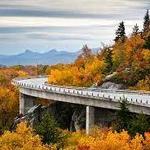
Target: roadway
[[40, 83]]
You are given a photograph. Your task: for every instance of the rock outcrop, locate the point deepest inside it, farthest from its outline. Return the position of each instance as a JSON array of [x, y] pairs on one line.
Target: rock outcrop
[[111, 85], [78, 120]]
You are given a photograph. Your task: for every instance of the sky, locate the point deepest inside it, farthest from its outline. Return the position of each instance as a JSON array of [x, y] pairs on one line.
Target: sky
[[42, 25]]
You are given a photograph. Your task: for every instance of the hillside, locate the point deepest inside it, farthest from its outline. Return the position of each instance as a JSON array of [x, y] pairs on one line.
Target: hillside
[[127, 61]]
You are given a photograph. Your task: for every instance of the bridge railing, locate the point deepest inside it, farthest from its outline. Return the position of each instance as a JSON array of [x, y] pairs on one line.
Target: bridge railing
[[102, 90], [83, 88], [112, 95], [29, 77]]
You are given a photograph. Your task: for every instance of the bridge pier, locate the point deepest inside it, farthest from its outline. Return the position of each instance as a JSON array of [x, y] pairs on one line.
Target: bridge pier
[[89, 118], [21, 103], [25, 103]]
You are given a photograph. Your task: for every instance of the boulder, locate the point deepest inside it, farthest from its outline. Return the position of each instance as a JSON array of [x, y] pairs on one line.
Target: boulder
[[111, 85], [78, 120], [109, 77]]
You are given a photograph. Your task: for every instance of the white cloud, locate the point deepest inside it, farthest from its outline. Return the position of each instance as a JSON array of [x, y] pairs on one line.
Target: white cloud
[[54, 21], [58, 22]]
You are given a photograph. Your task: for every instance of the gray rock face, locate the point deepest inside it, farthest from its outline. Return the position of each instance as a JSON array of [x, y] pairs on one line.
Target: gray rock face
[[109, 77], [78, 120], [111, 85]]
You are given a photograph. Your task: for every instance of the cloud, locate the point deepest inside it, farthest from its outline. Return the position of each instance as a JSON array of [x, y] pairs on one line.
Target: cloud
[[44, 24], [60, 36], [46, 29], [71, 9], [17, 12]]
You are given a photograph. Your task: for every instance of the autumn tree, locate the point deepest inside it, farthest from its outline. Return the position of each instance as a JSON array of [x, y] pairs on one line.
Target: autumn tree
[[143, 84], [8, 107], [128, 57], [21, 139], [3, 80], [118, 55], [41, 69], [103, 139], [120, 33], [86, 54]]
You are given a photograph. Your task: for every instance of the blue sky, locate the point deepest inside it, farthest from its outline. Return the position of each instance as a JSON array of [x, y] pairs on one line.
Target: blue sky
[[41, 25]]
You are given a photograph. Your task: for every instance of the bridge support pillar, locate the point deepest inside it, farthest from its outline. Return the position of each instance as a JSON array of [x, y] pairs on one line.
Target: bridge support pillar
[[89, 118], [21, 103], [25, 103]]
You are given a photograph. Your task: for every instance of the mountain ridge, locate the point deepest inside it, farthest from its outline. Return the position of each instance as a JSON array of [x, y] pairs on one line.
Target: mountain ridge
[[29, 57]]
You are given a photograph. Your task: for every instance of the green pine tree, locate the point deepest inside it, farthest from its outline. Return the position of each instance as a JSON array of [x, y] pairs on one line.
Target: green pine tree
[[120, 33], [135, 30], [146, 25], [108, 60], [147, 43], [139, 124], [123, 117], [48, 130]]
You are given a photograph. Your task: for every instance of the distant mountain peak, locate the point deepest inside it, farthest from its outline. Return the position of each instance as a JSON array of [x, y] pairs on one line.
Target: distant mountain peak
[[29, 57], [28, 51], [53, 50]]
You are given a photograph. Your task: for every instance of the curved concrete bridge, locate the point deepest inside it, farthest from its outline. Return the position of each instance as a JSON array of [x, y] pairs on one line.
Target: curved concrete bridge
[[139, 102]]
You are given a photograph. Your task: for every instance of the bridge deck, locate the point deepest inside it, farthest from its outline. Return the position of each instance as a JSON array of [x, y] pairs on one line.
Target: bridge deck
[[134, 97]]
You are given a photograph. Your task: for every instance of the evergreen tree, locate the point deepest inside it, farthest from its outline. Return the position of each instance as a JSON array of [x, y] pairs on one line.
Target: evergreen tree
[[48, 130], [147, 43], [135, 30], [108, 60], [120, 33], [146, 25], [139, 124], [123, 117]]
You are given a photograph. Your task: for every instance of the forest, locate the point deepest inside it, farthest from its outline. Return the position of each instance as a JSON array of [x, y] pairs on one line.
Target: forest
[[127, 60]]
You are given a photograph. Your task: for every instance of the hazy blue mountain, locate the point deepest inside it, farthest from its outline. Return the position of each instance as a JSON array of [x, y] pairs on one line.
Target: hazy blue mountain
[[32, 58]]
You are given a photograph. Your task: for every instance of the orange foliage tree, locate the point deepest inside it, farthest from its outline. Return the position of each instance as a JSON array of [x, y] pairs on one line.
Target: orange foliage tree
[[8, 106], [87, 70], [21, 139], [104, 139], [129, 58]]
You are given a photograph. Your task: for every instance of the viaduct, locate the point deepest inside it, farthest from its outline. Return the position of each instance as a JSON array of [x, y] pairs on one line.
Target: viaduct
[[37, 87]]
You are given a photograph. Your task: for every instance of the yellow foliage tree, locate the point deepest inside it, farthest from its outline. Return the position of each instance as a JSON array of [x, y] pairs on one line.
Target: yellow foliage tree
[[102, 139], [143, 84], [22, 73], [22, 139], [8, 106], [146, 142], [146, 55], [118, 55], [132, 45], [75, 75]]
